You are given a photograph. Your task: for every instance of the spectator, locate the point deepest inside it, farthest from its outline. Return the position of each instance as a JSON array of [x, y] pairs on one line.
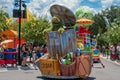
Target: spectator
[[107, 52], [118, 52], [1, 51], [112, 48], [24, 54], [44, 49], [31, 49], [39, 51], [103, 51]]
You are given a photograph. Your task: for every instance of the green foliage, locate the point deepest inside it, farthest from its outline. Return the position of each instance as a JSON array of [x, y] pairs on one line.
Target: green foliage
[[99, 25], [107, 24], [103, 40], [111, 36], [112, 13], [34, 30], [113, 33], [3, 17]]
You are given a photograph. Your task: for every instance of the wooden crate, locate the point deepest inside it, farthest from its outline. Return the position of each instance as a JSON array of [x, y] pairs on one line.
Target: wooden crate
[[49, 66]]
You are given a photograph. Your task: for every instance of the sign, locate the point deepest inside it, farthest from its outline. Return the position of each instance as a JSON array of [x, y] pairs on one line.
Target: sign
[[49, 66], [16, 13]]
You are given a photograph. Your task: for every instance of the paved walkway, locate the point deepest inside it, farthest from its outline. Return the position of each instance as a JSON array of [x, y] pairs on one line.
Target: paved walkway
[[108, 59], [26, 73], [19, 73]]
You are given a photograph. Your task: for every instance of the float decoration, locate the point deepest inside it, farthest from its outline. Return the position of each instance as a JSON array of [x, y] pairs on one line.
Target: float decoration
[[62, 60], [64, 14]]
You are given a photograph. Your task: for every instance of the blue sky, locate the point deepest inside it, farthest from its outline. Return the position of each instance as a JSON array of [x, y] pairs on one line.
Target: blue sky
[[41, 7]]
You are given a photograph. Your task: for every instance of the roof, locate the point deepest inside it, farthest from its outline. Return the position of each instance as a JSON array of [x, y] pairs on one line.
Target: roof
[[10, 33]]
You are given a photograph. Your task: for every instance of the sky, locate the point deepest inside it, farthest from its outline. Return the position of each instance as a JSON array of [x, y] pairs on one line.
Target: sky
[[41, 7]]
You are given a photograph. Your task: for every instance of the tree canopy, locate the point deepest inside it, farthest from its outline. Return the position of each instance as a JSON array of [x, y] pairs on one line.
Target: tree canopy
[[34, 30], [3, 17], [107, 24]]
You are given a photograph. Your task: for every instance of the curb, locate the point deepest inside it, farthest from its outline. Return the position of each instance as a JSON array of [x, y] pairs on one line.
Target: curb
[[110, 60], [3, 70]]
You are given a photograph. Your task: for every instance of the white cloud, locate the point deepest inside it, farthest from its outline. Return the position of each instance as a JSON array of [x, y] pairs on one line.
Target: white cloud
[[106, 3], [7, 6], [42, 7]]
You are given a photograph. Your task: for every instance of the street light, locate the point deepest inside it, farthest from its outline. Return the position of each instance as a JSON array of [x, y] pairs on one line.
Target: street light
[[19, 60], [17, 14]]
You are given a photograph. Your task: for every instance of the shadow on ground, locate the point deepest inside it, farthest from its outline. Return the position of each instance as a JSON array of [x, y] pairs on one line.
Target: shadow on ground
[[98, 67], [45, 78], [90, 78]]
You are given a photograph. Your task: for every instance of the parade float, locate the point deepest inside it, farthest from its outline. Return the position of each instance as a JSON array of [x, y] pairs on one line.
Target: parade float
[[64, 60]]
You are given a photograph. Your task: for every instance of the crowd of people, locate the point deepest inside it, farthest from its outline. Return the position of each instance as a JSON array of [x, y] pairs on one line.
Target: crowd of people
[[113, 51], [32, 51], [29, 52]]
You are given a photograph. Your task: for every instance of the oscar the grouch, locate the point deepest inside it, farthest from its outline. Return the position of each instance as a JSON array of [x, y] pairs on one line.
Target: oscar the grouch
[[57, 24]]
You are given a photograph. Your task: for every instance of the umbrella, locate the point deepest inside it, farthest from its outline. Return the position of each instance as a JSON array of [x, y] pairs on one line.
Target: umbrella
[[84, 21], [6, 41], [67, 16]]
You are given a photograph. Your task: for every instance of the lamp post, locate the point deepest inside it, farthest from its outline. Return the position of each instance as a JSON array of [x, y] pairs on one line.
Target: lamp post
[[17, 13], [19, 37]]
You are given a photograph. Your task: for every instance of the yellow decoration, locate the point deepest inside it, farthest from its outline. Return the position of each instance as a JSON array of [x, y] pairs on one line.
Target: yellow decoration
[[80, 45], [9, 20]]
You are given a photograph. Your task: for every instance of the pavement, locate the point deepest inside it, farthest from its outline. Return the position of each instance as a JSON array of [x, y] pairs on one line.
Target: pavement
[[110, 72], [108, 59], [27, 73], [20, 73]]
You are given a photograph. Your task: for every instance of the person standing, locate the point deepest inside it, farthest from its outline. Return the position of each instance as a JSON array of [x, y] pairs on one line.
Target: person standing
[[1, 52], [118, 52], [112, 52], [107, 52], [103, 51], [24, 54]]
